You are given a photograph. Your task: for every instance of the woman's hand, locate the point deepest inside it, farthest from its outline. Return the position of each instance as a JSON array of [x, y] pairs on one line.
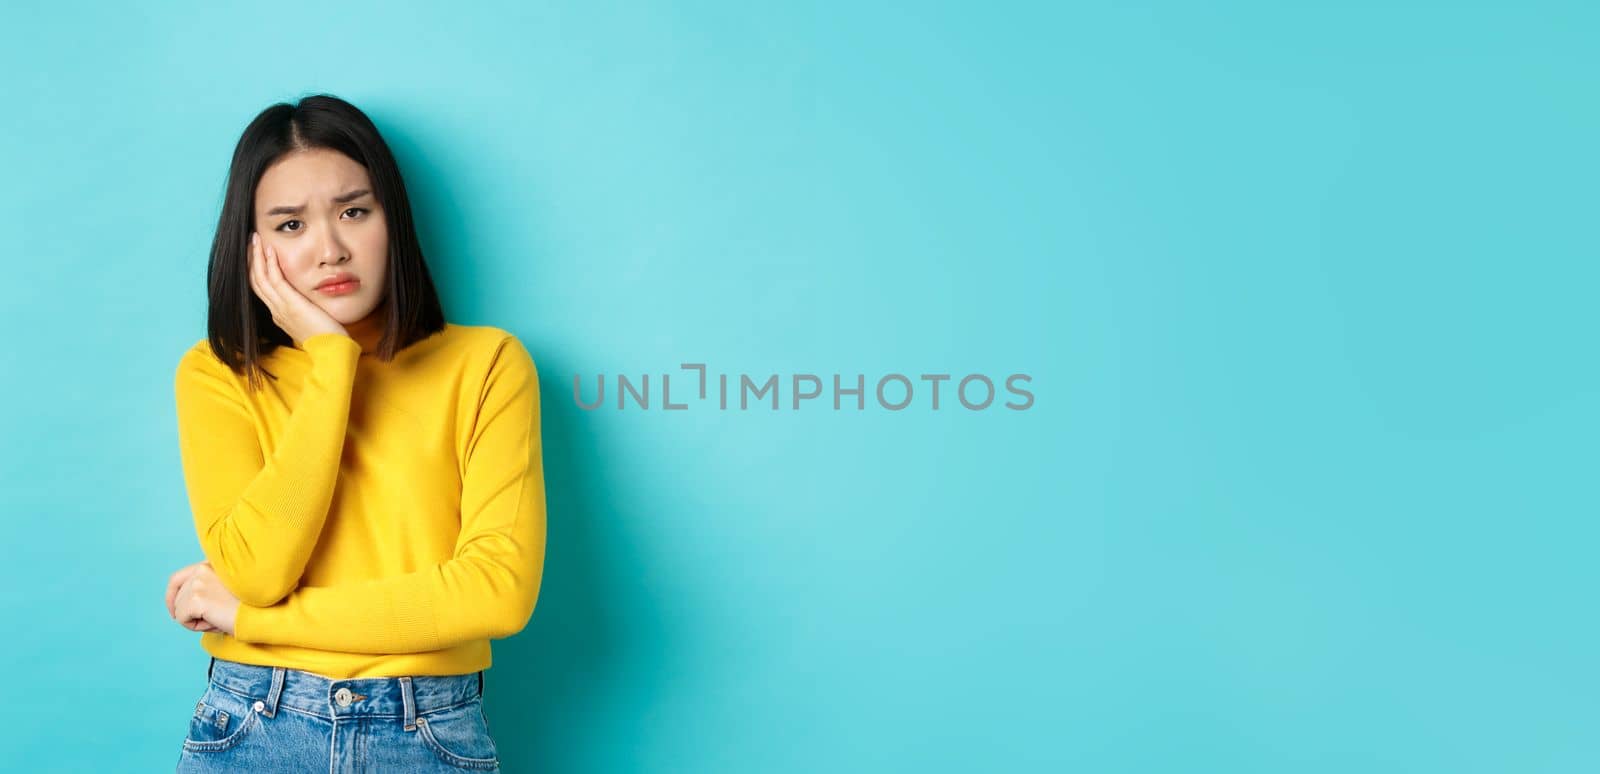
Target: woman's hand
[[297, 315], [197, 599]]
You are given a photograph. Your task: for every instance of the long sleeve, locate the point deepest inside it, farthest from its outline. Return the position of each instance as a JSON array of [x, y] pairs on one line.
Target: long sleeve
[[258, 518], [487, 589]]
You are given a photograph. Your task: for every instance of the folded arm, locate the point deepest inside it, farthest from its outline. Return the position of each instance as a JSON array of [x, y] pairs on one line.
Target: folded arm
[[487, 589], [258, 517]]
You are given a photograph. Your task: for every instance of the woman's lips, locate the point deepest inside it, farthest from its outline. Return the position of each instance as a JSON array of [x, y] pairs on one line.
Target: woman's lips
[[340, 288]]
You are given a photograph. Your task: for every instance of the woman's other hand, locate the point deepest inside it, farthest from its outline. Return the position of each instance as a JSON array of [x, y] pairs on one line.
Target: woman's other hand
[[197, 599], [297, 315], [175, 583]]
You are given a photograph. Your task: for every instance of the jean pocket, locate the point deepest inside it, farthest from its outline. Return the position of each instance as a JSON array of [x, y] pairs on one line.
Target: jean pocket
[[459, 736], [221, 720]]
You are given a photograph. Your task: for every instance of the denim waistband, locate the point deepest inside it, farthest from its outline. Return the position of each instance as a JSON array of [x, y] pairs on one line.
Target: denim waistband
[[399, 697]]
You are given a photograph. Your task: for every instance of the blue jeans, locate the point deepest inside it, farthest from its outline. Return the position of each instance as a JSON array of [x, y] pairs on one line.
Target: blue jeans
[[261, 718]]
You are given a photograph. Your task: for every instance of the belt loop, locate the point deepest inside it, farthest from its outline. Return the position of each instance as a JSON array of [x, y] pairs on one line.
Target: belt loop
[[480, 683], [408, 699], [278, 674]]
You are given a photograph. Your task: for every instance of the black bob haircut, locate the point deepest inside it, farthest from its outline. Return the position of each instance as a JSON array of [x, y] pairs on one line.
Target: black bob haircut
[[239, 324]]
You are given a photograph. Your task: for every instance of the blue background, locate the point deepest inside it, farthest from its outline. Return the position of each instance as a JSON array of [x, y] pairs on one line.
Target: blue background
[[1306, 295]]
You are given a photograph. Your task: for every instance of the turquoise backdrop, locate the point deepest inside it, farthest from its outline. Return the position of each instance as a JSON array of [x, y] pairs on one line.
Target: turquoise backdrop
[[1306, 293]]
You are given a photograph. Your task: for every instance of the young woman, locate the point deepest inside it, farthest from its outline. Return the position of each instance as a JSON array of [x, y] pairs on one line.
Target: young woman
[[365, 478]]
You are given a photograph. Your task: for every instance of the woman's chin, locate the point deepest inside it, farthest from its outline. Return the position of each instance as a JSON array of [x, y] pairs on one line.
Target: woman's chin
[[348, 309]]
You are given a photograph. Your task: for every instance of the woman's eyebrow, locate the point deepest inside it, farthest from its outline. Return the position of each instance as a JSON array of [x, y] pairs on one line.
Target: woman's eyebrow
[[284, 209]]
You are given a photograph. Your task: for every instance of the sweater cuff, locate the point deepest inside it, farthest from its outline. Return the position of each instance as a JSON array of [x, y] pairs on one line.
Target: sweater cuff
[[244, 622], [331, 343]]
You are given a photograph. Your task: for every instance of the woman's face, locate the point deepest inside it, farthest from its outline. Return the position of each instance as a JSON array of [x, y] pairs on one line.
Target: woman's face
[[316, 208]]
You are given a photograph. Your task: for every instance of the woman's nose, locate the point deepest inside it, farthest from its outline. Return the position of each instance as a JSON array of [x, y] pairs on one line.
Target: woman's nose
[[330, 249]]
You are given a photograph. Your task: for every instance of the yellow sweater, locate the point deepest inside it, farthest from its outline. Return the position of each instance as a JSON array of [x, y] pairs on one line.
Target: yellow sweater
[[375, 519]]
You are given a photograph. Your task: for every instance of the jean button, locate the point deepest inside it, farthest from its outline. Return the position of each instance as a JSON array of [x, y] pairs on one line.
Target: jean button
[[342, 696]]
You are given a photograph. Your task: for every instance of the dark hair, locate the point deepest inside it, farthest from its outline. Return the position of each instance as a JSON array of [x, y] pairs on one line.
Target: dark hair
[[238, 323]]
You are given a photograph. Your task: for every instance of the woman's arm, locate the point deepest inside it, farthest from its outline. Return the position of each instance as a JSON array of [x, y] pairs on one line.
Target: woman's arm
[[258, 518], [486, 590]]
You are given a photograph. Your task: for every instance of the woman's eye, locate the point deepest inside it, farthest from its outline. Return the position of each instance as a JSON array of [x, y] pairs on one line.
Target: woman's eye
[[284, 226]]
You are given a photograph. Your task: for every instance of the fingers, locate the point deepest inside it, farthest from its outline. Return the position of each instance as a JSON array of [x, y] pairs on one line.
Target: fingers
[[271, 272], [176, 586], [288, 295], [181, 606], [185, 608], [262, 255], [274, 271], [175, 583], [258, 277], [283, 300], [254, 263]]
